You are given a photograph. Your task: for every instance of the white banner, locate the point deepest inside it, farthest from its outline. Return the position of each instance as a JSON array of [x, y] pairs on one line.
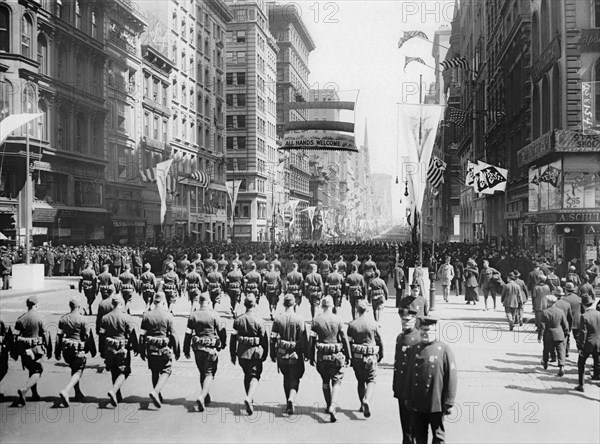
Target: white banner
[[318, 140], [14, 121], [293, 203], [472, 172], [162, 171], [491, 178], [311, 213], [232, 191]]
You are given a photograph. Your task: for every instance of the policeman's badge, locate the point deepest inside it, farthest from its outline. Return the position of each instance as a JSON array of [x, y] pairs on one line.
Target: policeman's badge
[[432, 359], [404, 348]]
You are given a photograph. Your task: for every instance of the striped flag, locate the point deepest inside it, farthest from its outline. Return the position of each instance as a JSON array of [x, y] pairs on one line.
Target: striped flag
[[148, 175], [435, 173], [458, 116], [495, 115], [201, 176], [407, 35], [456, 62], [413, 59]]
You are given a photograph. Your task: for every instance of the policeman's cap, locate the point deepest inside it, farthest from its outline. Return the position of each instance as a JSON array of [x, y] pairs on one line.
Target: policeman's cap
[[289, 300], [407, 313], [159, 297], [427, 321]]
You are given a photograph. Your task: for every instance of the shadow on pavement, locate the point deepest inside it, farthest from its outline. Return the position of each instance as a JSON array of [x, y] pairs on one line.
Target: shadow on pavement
[[556, 391], [511, 370]]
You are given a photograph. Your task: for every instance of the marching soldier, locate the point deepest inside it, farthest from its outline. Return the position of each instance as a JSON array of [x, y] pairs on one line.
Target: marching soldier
[[233, 285], [159, 345], [148, 285], [294, 282], [330, 349], [89, 284], [252, 281], [313, 287], [128, 285], [357, 263], [341, 264], [355, 288], [236, 260], [215, 283], [105, 281], [334, 285], [32, 346], [71, 342], [378, 294], [116, 329], [222, 265], [171, 285], [249, 265], [210, 263], [278, 265], [193, 286], [368, 270], [325, 267], [272, 288], [104, 307], [262, 266], [183, 266], [288, 348], [5, 344], [367, 350], [430, 388], [206, 336], [404, 342], [250, 343]]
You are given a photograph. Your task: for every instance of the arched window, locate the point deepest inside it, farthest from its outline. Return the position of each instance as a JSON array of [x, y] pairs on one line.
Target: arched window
[[544, 24], [61, 65], [45, 119], [94, 23], [546, 105], [28, 105], [26, 32], [6, 99], [59, 11], [556, 97], [536, 113], [62, 129], [4, 29], [80, 139], [78, 21], [42, 53], [535, 37]]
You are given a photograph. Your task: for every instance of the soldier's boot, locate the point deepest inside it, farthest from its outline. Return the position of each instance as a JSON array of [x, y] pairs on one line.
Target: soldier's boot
[[327, 396], [291, 394], [78, 393], [115, 393], [335, 391], [29, 385], [367, 400], [249, 401], [74, 382], [155, 394], [561, 371], [204, 397]]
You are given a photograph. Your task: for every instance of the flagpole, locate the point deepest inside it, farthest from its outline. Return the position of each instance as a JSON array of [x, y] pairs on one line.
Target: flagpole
[[28, 199], [419, 214]]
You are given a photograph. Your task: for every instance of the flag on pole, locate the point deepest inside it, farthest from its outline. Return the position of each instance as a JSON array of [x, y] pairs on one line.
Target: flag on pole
[[202, 177], [14, 121], [495, 115], [413, 59], [458, 116], [407, 35], [472, 172], [148, 175], [435, 172], [162, 171], [293, 203], [456, 62]]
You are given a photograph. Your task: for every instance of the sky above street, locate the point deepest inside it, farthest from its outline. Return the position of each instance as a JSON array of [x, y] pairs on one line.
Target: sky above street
[[357, 53]]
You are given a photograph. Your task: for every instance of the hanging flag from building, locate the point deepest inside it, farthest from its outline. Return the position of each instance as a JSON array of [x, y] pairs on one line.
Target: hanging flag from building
[[457, 116], [534, 189], [435, 172], [310, 211], [233, 187], [472, 173], [413, 59], [162, 171], [203, 177], [491, 178], [148, 175], [456, 62], [293, 203], [495, 115], [407, 35], [14, 121]]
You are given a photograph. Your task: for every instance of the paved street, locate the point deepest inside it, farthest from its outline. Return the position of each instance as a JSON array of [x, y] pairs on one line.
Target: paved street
[[504, 395]]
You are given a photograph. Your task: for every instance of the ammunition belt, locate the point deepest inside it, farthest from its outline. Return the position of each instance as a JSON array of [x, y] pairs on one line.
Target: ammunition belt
[[329, 349], [157, 342], [286, 345], [72, 345], [252, 341]]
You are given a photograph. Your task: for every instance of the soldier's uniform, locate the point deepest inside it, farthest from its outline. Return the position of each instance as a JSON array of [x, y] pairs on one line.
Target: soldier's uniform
[[215, 283], [334, 285], [342, 267], [209, 264], [236, 260], [89, 284], [193, 285], [272, 288], [105, 280], [72, 328], [430, 388], [368, 270], [378, 294], [127, 287], [252, 282], [206, 336], [355, 289], [325, 267], [279, 268], [182, 267], [171, 287], [289, 346], [148, 286], [293, 285], [313, 284], [262, 266], [222, 265], [404, 343], [157, 340], [234, 287], [367, 350]]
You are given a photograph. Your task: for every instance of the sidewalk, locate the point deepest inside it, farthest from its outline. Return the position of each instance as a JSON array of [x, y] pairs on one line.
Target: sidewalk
[[52, 284]]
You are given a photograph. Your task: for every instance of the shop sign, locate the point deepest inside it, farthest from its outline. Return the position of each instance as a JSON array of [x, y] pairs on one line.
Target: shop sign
[[578, 217], [512, 215], [590, 40], [319, 140], [592, 229], [128, 224], [536, 149], [44, 214], [68, 213], [576, 142]]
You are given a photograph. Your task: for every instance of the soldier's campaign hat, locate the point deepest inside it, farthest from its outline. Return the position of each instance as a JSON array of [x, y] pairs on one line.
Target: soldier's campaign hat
[[33, 300], [159, 297], [587, 300], [407, 313], [570, 286], [426, 321], [74, 302], [289, 300], [327, 301], [551, 299], [559, 291]]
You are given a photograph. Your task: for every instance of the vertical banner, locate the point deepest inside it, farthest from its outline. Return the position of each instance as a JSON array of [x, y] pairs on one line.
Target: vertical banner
[[553, 176], [162, 172], [293, 203], [317, 224], [534, 189], [232, 191], [310, 211], [472, 173], [544, 185], [590, 94]]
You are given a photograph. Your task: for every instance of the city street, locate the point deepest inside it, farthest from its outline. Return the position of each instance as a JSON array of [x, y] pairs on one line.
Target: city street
[[504, 395]]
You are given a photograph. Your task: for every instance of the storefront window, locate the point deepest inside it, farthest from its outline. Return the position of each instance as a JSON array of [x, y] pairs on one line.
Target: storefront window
[[51, 187], [88, 193]]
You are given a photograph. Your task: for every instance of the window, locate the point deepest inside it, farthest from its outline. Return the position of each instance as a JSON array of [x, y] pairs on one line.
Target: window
[[51, 187], [61, 66], [596, 13], [229, 122], [94, 23], [6, 99], [78, 14], [229, 78], [88, 193], [164, 130], [241, 78], [241, 100], [241, 143], [146, 124], [62, 129], [241, 15], [229, 143], [42, 53], [241, 121], [241, 57], [28, 105], [4, 29], [43, 108], [240, 37], [26, 30], [59, 9], [80, 141]]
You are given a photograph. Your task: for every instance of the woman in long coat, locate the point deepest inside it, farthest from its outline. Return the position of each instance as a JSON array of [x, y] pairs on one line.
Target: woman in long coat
[[471, 282]]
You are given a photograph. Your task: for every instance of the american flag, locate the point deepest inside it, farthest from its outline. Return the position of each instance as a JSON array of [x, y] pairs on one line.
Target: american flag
[[435, 173], [148, 175], [456, 62], [495, 115], [413, 59], [407, 35], [458, 116], [201, 176]]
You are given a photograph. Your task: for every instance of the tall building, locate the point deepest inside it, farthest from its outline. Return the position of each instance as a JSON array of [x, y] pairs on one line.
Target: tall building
[[382, 196], [362, 187], [196, 139], [251, 98], [53, 61], [295, 45]]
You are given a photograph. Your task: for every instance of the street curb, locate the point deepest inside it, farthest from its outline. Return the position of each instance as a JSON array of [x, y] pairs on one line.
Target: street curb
[[37, 292]]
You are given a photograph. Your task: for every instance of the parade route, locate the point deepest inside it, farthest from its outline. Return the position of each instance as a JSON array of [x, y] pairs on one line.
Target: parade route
[[504, 395]]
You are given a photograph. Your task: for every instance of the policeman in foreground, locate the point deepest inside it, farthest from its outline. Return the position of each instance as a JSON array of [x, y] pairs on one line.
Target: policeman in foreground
[[367, 350], [158, 344], [206, 336], [330, 350], [430, 388], [289, 345]]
